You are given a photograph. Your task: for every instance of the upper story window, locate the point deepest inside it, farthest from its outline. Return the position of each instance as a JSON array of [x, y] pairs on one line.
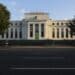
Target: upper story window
[[35, 17], [57, 23], [53, 23], [62, 24], [20, 23], [15, 23]]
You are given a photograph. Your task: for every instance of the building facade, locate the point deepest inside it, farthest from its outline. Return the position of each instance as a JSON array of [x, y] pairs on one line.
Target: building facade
[[37, 26]]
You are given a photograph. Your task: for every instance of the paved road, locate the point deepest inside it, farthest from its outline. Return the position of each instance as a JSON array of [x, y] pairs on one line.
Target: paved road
[[58, 61]]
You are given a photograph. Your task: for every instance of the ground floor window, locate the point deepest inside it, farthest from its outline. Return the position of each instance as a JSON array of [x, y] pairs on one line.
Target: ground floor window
[[31, 30]]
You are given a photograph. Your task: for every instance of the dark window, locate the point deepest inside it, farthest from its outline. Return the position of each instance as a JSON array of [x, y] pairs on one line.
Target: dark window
[[53, 23], [57, 32], [62, 33], [20, 23], [31, 30], [20, 34], [15, 23], [31, 34], [7, 34], [53, 33], [15, 33], [35, 17], [61, 23], [42, 30], [57, 23], [66, 33], [36, 28], [11, 33], [71, 34]]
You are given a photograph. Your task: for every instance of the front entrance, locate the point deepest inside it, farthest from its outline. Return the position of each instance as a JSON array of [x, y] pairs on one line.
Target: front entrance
[[36, 31]]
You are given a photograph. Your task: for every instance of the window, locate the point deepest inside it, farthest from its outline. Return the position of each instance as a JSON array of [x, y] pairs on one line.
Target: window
[[66, 33], [15, 33], [7, 34], [31, 30], [53, 33], [36, 28], [42, 30], [15, 23], [57, 32], [35, 17], [11, 33], [57, 23], [61, 23], [62, 32], [71, 35], [53, 23], [20, 23], [20, 34]]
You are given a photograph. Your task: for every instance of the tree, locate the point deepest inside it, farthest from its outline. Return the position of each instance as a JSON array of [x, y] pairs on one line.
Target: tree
[[71, 25], [4, 18]]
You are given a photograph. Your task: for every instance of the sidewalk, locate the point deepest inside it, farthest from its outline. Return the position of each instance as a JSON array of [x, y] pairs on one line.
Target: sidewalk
[[40, 46]]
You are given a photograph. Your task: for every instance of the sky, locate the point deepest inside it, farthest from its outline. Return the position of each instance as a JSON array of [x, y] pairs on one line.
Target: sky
[[57, 9]]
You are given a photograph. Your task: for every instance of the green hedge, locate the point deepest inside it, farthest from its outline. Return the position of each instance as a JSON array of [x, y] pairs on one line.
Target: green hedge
[[38, 42]]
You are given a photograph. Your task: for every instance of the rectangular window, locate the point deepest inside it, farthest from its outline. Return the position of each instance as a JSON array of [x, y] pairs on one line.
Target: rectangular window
[[6, 34], [20, 34], [31, 30], [36, 28], [11, 33], [66, 33], [42, 30], [53, 33], [15, 33], [57, 33], [62, 33], [71, 34]]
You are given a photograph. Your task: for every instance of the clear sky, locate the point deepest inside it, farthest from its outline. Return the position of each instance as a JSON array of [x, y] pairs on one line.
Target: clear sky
[[58, 9]]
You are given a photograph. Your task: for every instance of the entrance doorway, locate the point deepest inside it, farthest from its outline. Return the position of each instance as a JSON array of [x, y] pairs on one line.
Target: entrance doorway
[[36, 31]]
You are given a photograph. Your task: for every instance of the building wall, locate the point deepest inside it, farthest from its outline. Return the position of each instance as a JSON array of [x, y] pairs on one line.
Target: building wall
[[23, 28]]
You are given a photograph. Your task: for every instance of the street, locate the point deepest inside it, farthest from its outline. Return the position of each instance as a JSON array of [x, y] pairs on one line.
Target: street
[[56, 61]]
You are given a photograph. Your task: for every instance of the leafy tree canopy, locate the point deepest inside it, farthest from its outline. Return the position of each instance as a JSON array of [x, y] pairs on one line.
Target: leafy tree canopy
[[71, 25], [4, 18]]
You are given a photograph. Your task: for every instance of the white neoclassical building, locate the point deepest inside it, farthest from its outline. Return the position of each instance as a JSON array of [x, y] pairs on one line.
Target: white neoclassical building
[[37, 26]]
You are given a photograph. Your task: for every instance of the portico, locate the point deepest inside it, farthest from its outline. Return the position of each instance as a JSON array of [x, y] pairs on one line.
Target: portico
[[36, 30]]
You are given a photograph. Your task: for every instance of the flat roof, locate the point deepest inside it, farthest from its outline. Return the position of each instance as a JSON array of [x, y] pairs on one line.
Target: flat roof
[[36, 13]]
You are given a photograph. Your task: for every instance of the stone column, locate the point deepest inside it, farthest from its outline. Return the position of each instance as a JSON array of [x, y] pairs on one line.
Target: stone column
[[18, 33], [55, 31], [9, 33], [13, 33], [64, 33]]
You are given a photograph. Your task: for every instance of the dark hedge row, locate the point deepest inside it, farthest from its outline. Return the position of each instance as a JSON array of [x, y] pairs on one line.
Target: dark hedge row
[[38, 42]]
